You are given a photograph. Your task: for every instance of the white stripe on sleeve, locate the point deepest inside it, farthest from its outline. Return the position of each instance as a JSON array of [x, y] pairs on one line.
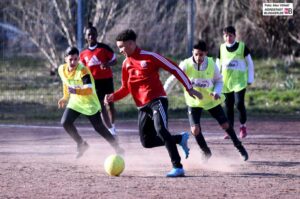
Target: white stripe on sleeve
[[113, 58], [170, 65]]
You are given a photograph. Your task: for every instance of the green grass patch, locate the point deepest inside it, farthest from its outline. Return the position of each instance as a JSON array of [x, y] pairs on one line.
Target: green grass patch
[[29, 93]]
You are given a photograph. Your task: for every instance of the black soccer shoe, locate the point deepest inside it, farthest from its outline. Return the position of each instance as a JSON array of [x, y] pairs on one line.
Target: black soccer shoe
[[243, 152]]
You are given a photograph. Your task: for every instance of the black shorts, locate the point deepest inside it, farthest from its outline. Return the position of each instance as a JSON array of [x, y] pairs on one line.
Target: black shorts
[[194, 114], [103, 87]]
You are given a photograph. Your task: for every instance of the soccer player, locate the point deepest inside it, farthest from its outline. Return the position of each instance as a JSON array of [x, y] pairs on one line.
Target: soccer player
[[80, 96], [99, 58], [140, 77], [206, 78], [237, 68]]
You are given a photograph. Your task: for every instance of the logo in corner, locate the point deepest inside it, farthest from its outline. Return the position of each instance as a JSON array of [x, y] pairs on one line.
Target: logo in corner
[[128, 65], [143, 64]]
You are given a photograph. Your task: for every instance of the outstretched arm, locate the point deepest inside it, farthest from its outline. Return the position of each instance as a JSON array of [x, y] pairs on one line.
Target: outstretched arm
[[122, 92], [178, 73], [171, 81]]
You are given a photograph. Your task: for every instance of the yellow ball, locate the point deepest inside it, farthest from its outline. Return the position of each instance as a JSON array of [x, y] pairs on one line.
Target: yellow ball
[[114, 165]]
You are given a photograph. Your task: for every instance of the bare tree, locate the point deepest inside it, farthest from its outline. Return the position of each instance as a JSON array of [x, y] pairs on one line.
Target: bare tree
[[266, 35], [208, 18], [43, 22], [279, 34], [103, 14], [51, 25], [161, 24]]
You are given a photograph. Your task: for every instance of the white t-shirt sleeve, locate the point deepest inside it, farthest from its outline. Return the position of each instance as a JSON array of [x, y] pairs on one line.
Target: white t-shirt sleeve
[[218, 64], [218, 81], [250, 69], [171, 81]]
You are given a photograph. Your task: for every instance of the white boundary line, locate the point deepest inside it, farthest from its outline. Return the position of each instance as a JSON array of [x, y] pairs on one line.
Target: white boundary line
[[209, 135], [57, 127]]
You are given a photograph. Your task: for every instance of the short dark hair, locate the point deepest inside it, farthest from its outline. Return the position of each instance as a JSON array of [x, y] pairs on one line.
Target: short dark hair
[[126, 35], [229, 29], [91, 27], [201, 45], [72, 50]]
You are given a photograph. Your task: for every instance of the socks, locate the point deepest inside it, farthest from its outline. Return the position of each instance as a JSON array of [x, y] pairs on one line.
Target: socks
[[242, 125], [113, 126], [112, 131]]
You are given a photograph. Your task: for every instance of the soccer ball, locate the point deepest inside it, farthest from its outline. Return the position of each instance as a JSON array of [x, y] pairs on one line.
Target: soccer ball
[[114, 165]]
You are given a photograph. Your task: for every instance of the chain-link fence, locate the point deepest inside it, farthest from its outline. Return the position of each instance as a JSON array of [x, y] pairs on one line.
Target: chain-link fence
[[27, 93]]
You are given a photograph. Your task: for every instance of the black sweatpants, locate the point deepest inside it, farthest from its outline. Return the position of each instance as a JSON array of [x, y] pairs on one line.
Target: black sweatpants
[[153, 129], [216, 112], [194, 115], [71, 115], [237, 98]]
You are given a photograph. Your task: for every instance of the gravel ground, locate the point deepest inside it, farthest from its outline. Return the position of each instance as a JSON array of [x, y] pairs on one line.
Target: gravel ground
[[39, 162]]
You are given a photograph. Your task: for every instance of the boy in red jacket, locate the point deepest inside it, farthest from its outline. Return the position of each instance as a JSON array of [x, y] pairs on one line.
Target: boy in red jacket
[[140, 77]]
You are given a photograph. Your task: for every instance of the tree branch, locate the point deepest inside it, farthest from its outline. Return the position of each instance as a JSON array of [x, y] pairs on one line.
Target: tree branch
[[63, 24], [294, 38]]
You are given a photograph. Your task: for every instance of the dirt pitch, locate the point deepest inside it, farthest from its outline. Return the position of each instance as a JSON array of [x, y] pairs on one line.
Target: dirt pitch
[[39, 162]]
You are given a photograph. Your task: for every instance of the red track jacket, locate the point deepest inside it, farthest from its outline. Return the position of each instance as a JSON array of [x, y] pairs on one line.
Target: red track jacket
[[140, 77]]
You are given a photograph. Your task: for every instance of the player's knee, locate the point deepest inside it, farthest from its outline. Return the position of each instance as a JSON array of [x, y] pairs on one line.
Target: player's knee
[[195, 130], [66, 124], [100, 127], [240, 105], [146, 144], [229, 104], [225, 126]]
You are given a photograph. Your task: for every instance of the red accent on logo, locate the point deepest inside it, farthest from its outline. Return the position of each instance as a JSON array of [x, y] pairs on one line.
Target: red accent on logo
[[287, 10]]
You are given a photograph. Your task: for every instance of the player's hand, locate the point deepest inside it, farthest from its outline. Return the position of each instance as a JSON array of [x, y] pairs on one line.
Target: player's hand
[[62, 102], [216, 96], [108, 98], [193, 93], [72, 90], [104, 65]]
